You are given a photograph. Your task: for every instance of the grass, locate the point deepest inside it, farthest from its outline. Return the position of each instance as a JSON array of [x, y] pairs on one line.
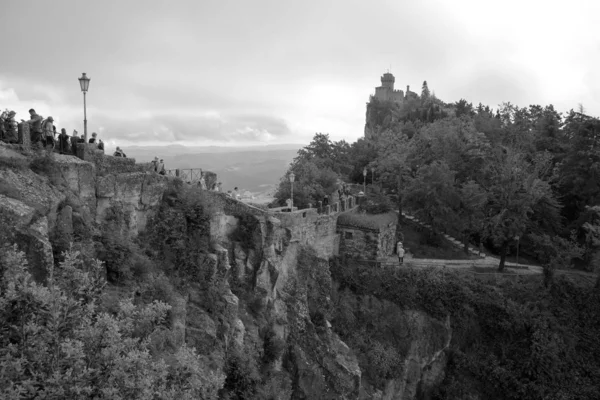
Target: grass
[[370, 221]]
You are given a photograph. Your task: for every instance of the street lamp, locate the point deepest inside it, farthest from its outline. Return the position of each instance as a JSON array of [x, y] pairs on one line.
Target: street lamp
[[365, 181], [292, 178], [517, 237], [84, 82]]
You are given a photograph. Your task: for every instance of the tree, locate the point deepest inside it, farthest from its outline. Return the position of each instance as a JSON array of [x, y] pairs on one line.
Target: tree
[[55, 342], [462, 107], [433, 196], [425, 92], [471, 214], [514, 189], [555, 252]]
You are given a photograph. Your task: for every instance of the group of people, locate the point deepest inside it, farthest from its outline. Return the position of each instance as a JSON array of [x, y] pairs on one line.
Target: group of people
[[43, 134], [157, 165], [218, 187]]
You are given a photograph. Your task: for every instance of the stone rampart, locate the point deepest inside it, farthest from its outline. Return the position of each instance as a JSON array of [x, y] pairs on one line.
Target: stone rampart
[[313, 229], [107, 164]]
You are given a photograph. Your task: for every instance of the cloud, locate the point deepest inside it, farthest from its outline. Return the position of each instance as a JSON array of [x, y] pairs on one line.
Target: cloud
[[195, 129]]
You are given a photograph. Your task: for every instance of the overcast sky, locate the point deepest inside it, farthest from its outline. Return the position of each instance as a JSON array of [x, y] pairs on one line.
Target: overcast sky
[[210, 72]]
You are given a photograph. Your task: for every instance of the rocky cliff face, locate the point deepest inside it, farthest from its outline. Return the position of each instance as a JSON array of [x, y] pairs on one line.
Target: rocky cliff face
[[268, 303]]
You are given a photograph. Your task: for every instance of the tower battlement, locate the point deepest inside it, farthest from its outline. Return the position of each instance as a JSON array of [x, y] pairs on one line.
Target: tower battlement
[[386, 91]]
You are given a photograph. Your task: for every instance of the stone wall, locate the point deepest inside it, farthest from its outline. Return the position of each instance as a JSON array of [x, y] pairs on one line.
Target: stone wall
[[138, 193], [107, 164], [367, 244], [313, 229]]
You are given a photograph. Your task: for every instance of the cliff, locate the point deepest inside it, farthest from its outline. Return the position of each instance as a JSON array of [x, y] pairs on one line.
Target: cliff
[[250, 290]]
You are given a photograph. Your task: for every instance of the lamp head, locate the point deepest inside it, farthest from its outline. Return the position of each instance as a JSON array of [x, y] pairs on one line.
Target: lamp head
[[365, 171], [292, 177], [84, 82]]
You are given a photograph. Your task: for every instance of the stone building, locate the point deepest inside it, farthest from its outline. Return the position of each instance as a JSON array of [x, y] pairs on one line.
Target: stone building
[[386, 91], [367, 237]]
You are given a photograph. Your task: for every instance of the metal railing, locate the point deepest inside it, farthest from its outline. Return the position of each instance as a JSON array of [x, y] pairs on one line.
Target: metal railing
[[191, 175]]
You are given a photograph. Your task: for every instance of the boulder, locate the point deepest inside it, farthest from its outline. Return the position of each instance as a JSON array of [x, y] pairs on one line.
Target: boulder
[[33, 190], [23, 226]]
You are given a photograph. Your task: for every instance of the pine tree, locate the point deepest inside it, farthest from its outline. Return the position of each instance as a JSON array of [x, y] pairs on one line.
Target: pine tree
[[424, 91]]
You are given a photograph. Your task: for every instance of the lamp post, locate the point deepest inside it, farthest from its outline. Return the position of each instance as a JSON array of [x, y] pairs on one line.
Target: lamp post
[[84, 82], [517, 238], [292, 178], [365, 181]]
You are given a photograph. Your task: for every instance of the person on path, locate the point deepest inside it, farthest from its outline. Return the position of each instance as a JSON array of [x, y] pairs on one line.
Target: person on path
[[400, 251], [235, 193], [161, 167], [63, 142], [100, 145], [154, 164]]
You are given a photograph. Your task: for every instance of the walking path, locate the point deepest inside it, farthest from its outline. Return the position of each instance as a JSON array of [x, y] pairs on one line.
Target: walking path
[[486, 261]]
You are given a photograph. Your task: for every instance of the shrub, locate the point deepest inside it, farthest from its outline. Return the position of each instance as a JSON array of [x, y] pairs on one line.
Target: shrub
[[370, 221], [376, 203], [245, 230], [14, 163], [242, 376], [46, 165], [58, 344], [273, 347]]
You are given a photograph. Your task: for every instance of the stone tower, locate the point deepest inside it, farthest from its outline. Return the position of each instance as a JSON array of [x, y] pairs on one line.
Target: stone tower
[[387, 81], [386, 91]]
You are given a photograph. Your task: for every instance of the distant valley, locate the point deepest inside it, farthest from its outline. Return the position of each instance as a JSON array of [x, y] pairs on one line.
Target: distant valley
[[256, 169]]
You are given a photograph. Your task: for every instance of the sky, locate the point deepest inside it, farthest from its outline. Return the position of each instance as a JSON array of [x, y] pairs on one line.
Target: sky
[[222, 72]]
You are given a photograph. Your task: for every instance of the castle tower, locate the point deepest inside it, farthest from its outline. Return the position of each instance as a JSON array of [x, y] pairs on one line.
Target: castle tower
[[387, 81]]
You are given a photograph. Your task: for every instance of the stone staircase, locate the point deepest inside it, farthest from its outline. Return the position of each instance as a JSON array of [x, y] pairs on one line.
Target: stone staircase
[[455, 242]]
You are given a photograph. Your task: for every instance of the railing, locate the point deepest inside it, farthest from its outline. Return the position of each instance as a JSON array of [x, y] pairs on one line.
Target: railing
[[191, 175]]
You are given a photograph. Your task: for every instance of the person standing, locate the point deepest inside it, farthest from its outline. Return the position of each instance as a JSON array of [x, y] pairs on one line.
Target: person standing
[[155, 164], [94, 138], [161, 167], [48, 129], [400, 251], [74, 141], [35, 125], [63, 142]]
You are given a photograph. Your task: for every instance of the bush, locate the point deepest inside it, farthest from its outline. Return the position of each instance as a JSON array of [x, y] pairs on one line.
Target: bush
[[242, 376], [245, 231], [58, 344], [273, 347], [14, 163], [376, 203], [518, 341], [47, 166]]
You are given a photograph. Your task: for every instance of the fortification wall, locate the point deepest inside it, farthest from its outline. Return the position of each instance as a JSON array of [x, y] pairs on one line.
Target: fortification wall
[[313, 229]]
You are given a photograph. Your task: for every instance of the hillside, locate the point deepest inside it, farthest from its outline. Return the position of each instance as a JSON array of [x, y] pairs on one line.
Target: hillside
[[240, 303]]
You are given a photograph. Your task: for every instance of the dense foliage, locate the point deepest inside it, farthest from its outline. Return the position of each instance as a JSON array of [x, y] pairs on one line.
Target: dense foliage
[[57, 342], [520, 341], [504, 177]]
